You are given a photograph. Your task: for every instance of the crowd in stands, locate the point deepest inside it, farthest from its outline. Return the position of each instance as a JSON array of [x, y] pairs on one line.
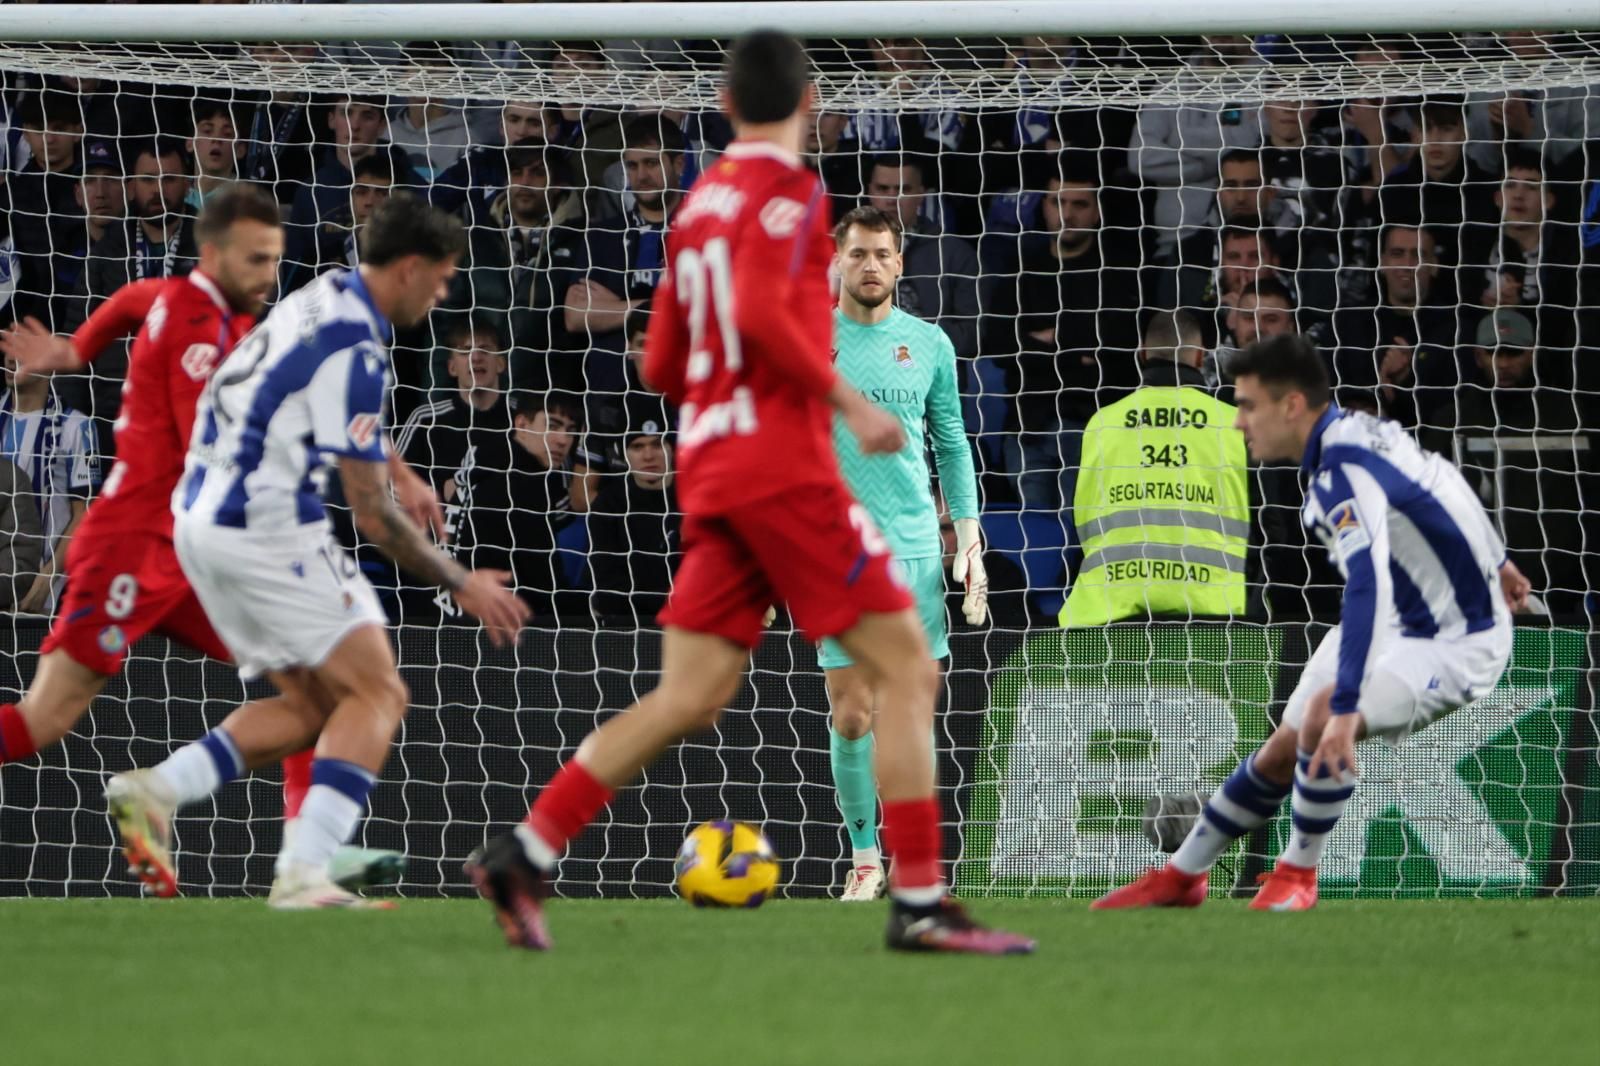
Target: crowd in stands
[[1442, 251]]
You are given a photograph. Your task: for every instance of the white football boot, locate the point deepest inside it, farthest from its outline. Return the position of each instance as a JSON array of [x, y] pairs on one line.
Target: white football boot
[[141, 804], [306, 888], [864, 883]]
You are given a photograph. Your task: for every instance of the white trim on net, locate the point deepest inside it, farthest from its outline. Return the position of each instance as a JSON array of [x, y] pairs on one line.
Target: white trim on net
[[819, 18]]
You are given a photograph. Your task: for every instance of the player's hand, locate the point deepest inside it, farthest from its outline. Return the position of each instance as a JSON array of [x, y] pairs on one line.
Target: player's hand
[[877, 431], [1336, 751], [770, 617], [418, 500], [38, 595], [485, 597], [1514, 587], [968, 569], [37, 350]]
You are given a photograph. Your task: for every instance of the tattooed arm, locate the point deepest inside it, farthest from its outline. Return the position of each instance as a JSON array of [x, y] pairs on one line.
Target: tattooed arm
[[380, 520]]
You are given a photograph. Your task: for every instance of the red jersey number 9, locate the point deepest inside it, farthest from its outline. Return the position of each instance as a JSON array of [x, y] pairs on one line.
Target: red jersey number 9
[[705, 276]]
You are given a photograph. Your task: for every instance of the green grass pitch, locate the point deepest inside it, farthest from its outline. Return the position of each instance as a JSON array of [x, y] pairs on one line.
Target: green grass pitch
[[227, 982]]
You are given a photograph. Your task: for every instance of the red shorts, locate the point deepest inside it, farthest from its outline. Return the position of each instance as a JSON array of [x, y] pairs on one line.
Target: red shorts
[[814, 550], [120, 588]]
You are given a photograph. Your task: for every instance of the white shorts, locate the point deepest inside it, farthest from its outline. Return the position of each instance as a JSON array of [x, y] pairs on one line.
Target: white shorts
[[277, 600], [1414, 681]]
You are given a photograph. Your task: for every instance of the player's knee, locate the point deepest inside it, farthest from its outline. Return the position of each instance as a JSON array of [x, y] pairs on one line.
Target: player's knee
[[388, 697], [852, 716]]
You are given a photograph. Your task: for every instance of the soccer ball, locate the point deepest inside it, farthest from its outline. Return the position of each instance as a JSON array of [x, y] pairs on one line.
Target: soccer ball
[[726, 864]]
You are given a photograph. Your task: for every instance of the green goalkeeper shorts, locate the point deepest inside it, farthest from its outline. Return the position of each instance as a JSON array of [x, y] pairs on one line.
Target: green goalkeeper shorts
[[925, 580]]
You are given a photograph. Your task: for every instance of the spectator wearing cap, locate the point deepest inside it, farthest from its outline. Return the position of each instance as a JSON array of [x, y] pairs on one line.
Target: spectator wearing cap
[[1531, 454], [520, 241], [635, 526]]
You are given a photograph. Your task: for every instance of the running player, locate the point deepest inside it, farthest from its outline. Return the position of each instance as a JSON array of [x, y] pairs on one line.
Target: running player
[[1425, 629], [739, 340], [252, 534], [907, 367], [123, 575]]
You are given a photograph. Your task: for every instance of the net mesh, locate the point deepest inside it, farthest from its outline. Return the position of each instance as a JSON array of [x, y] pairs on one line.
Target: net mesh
[[1385, 195]]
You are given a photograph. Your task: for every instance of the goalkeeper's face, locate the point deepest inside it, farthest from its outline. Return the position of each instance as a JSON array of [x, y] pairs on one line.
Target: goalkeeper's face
[[244, 263], [869, 266]]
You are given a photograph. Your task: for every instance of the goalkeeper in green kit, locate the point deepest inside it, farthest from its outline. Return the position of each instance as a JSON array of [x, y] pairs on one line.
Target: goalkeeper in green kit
[[907, 367]]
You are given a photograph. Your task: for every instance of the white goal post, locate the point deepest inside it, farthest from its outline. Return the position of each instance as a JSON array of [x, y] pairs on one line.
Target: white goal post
[[976, 113]]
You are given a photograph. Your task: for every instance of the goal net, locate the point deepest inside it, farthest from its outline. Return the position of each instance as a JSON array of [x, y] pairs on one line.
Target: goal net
[[1422, 206]]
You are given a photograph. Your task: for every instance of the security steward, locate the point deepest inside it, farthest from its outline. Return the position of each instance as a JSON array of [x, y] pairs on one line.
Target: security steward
[[1163, 497]]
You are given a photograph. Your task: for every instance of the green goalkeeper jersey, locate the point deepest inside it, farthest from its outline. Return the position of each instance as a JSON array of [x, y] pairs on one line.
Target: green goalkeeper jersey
[[907, 367]]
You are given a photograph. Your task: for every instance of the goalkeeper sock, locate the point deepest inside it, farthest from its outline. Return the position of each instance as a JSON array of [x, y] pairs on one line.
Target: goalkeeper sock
[[911, 833], [564, 809], [1245, 800], [196, 770], [856, 788], [332, 809], [1318, 802], [15, 740], [296, 783]]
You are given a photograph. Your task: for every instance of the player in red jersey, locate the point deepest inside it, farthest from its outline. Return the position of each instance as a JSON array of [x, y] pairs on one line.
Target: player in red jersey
[[123, 577], [740, 340]]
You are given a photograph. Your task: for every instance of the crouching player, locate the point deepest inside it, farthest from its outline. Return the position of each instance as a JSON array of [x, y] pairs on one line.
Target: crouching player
[[1426, 625]]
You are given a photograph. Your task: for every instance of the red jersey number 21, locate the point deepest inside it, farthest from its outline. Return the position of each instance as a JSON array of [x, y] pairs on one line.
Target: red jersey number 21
[[704, 276]]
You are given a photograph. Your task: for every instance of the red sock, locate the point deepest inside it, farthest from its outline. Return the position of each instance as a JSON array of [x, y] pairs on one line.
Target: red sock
[[911, 836], [15, 743], [567, 805], [296, 782]]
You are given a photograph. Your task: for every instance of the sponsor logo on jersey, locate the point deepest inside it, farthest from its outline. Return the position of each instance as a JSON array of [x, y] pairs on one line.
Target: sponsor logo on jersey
[[199, 360], [157, 318], [781, 216], [113, 640], [712, 198], [362, 429], [902, 356]]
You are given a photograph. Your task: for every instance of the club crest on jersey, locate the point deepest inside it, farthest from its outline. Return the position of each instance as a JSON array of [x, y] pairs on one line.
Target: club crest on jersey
[[902, 356], [362, 429], [113, 640]]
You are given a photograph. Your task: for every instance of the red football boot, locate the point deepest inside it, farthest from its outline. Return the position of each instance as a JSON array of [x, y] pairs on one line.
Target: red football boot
[[1287, 888], [1166, 886]]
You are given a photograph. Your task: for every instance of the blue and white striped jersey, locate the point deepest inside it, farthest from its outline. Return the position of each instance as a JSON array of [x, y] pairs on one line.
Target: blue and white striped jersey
[[1413, 542], [303, 388]]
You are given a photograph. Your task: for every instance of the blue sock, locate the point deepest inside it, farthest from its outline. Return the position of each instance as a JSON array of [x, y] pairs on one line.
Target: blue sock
[[331, 811], [197, 770], [1245, 800], [1318, 802], [856, 786]]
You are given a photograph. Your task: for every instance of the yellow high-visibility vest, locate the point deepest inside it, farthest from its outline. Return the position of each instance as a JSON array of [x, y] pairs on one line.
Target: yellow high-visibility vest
[[1162, 510]]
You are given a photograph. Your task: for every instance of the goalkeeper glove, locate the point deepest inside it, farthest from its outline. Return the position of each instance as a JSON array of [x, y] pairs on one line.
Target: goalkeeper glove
[[968, 569]]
